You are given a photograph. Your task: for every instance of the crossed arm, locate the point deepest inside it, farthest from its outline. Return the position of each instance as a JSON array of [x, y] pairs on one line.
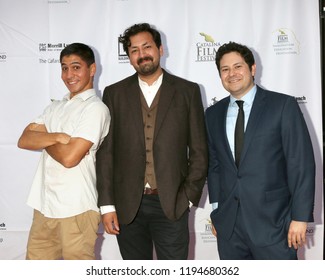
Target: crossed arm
[[60, 146]]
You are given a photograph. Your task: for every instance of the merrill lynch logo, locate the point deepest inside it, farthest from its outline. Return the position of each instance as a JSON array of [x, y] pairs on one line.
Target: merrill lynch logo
[[43, 47]]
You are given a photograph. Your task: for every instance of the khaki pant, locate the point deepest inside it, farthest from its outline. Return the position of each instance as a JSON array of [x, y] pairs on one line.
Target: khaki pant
[[70, 238]]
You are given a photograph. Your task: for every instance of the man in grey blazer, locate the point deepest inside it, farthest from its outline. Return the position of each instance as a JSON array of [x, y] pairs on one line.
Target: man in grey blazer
[[262, 204], [153, 164]]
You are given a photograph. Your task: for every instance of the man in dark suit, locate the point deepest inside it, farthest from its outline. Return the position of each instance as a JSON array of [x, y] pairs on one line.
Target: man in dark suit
[[263, 193], [153, 164]]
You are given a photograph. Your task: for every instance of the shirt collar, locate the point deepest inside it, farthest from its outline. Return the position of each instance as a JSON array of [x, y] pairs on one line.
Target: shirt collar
[[156, 83], [83, 95], [248, 98]]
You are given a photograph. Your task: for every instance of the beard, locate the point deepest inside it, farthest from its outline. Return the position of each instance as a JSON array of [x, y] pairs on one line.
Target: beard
[[147, 68]]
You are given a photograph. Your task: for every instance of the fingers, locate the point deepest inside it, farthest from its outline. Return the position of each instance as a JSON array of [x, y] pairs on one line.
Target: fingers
[[295, 241], [292, 241], [297, 234], [214, 232], [110, 223], [111, 229]]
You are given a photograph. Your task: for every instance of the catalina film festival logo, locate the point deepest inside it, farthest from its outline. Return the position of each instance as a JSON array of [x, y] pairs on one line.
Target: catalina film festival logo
[[285, 42], [206, 48]]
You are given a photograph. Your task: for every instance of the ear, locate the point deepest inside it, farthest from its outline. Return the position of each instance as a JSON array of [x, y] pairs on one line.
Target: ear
[[161, 51], [253, 70], [92, 69]]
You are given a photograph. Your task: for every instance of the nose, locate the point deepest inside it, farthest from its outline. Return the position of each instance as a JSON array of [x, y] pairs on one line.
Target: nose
[[232, 71], [142, 52], [69, 73]]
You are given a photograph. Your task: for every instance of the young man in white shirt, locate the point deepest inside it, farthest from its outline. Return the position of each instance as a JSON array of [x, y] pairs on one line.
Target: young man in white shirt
[[63, 193]]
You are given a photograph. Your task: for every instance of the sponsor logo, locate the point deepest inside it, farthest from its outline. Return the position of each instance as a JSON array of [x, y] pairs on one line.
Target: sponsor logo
[[3, 226], [285, 42], [3, 57], [122, 56], [310, 231], [50, 48], [206, 48], [206, 234], [57, 1], [213, 101], [301, 99]]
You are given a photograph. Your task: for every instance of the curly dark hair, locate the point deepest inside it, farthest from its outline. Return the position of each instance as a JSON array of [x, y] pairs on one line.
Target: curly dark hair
[[134, 30]]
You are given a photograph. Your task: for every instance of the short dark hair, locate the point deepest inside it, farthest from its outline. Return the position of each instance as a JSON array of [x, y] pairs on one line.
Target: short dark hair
[[81, 50], [134, 30], [243, 50]]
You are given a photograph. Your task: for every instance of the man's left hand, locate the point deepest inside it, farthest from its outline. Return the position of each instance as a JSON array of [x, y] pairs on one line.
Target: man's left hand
[[297, 234]]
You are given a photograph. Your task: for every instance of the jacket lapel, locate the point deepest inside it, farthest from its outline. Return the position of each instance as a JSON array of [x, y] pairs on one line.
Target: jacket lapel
[[134, 105], [165, 99], [223, 132]]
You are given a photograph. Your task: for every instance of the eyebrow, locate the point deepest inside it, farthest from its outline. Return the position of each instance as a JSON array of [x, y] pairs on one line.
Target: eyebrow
[[144, 44], [237, 63], [72, 63]]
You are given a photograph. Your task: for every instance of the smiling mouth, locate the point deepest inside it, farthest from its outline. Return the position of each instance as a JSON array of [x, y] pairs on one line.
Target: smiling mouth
[[234, 81]]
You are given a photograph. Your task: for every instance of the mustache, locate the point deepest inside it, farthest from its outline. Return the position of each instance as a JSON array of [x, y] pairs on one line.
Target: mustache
[[141, 59]]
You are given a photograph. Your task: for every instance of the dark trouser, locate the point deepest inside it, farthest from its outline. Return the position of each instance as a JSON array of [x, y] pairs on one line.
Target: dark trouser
[[152, 228], [240, 247]]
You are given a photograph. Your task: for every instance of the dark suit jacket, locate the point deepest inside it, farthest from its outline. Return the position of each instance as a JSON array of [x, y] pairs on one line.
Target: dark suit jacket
[[275, 181], [179, 148]]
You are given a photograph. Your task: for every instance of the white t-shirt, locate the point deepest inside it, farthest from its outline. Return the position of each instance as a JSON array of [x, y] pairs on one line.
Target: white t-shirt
[[59, 192]]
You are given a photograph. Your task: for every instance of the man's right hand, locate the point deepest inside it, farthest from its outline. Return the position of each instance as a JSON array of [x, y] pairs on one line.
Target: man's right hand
[[110, 223]]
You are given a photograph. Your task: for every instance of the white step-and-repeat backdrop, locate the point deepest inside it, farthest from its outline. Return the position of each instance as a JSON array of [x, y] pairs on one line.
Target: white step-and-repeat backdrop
[[284, 35]]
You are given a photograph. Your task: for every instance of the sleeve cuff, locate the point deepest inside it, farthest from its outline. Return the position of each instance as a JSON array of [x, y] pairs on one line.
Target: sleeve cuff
[[214, 205], [107, 209]]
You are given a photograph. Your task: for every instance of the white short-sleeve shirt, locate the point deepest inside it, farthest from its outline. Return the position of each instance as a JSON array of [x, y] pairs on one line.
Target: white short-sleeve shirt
[[59, 192]]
